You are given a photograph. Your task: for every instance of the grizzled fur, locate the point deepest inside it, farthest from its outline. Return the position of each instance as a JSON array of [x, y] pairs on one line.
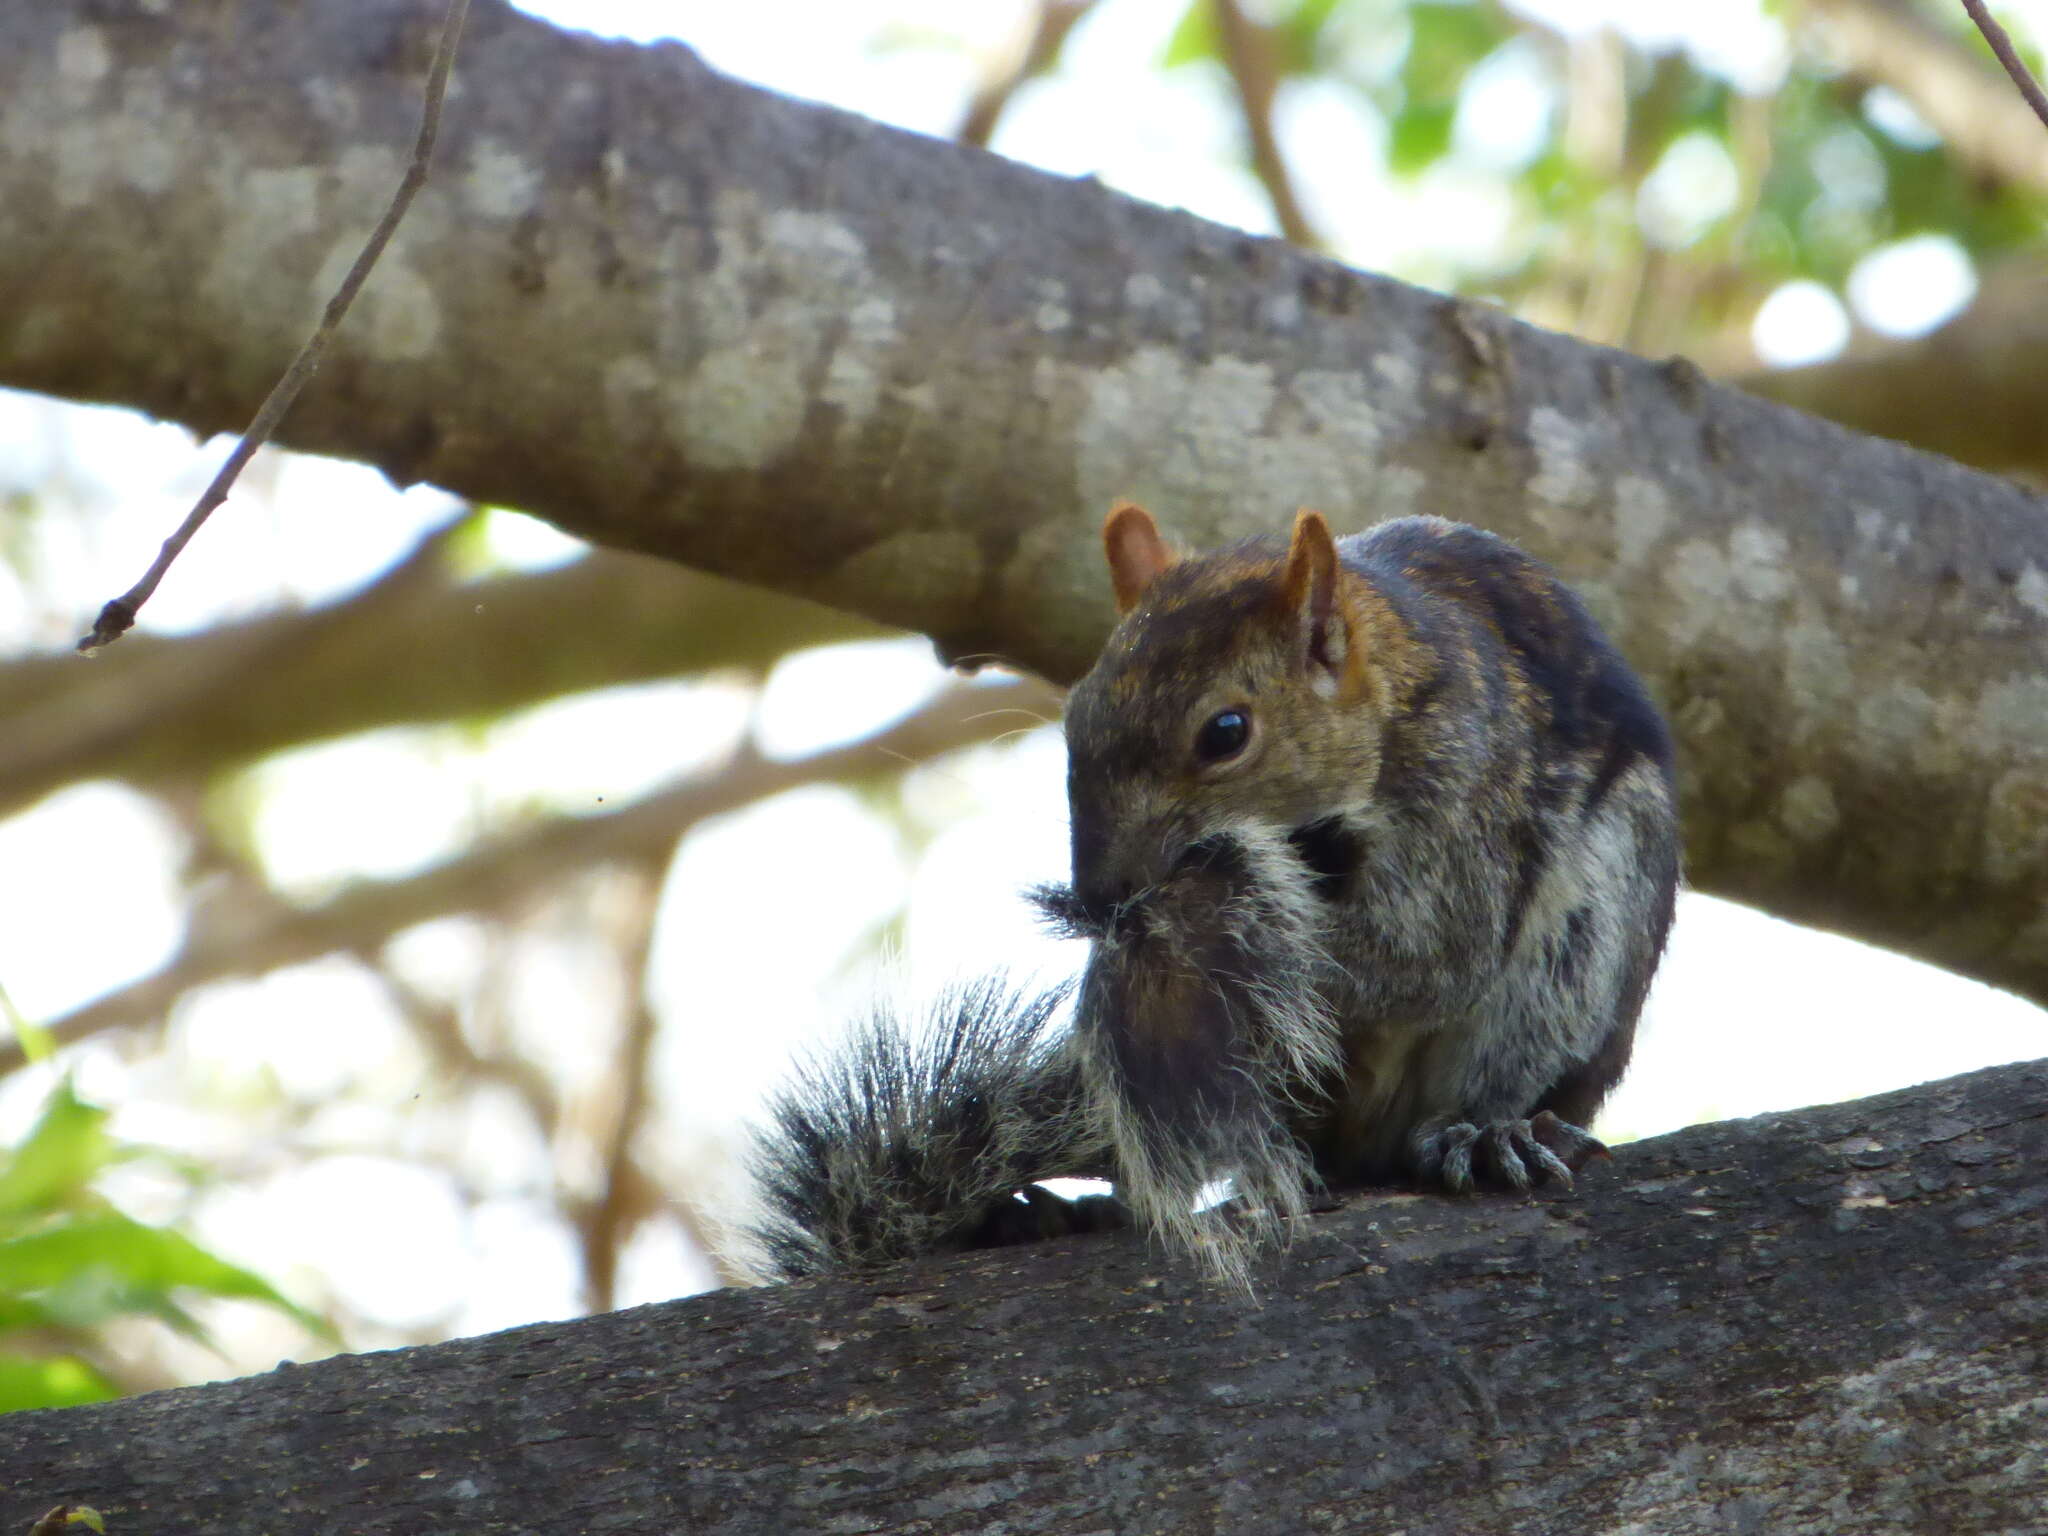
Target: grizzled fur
[[1460, 800], [1375, 843], [1204, 1031], [903, 1144]]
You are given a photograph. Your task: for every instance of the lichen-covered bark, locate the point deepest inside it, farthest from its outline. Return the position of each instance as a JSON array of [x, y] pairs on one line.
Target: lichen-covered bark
[[781, 343], [1816, 1323]]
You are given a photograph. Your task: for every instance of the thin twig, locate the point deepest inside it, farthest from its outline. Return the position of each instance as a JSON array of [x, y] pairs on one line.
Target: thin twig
[[1055, 19], [499, 874], [118, 616], [606, 1221], [1248, 55], [2009, 56]]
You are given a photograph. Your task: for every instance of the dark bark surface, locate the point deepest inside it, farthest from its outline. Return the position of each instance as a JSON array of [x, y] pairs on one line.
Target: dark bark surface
[[1831, 1321]]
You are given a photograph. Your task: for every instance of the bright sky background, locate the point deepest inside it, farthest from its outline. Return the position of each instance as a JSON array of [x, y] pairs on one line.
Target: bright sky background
[[1749, 1014]]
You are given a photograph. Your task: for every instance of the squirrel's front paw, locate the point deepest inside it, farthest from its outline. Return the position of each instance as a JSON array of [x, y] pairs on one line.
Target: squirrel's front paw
[[1516, 1153]]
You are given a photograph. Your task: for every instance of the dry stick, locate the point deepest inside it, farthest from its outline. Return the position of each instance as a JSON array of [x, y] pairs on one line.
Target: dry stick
[[118, 617], [492, 876], [1056, 18], [605, 1222], [2009, 56], [1248, 55]]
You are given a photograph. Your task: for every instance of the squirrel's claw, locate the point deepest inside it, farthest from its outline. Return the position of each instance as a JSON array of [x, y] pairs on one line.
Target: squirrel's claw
[[1515, 1153], [1570, 1144]]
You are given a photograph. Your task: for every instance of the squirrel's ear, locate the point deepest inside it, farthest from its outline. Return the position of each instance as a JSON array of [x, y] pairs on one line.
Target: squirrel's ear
[[1136, 552], [1311, 594]]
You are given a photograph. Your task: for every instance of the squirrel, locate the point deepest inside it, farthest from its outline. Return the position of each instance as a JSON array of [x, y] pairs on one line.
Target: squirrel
[[1375, 843]]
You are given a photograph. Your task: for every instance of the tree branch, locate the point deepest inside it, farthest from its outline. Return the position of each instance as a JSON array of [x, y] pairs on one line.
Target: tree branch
[[1248, 54], [363, 916], [1036, 52], [155, 709], [607, 1219], [2009, 57], [1757, 1326], [1989, 130], [118, 616], [1975, 388], [781, 343]]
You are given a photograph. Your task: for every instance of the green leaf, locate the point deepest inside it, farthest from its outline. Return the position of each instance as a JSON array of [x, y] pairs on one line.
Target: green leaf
[[108, 1262], [1445, 39], [1194, 37], [20, 1312], [36, 1042], [466, 545], [60, 1157], [1420, 136], [55, 1381]]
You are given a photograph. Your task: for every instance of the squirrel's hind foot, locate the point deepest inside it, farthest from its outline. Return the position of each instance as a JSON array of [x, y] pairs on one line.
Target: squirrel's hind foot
[[1515, 1153]]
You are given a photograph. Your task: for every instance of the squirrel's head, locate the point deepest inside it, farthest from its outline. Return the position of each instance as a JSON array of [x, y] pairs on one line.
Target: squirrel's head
[[1243, 688]]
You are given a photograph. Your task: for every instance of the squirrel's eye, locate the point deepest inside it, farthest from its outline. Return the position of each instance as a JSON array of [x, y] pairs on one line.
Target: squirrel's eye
[[1224, 736]]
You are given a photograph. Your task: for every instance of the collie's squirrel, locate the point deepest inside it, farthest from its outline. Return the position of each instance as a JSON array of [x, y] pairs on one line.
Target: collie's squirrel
[[1376, 844]]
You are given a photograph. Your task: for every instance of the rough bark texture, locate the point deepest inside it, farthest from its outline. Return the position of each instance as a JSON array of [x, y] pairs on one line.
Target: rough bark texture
[[785, 344], [1824, 1322]]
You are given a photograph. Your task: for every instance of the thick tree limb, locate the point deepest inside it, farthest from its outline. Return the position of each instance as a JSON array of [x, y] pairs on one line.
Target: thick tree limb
[[784, 344], [1807, 1323]]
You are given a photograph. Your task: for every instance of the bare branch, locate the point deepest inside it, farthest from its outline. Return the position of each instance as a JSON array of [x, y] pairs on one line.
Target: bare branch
[[2001, 44], [1038, 50], [1985, 127], [438, 1029], [364, 916], [161, 708], [605, 1222], [1248, 55], [118, 616]]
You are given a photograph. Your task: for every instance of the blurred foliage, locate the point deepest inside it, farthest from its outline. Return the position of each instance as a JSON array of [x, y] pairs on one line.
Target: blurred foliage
[[1823, 181], [70, 1263]]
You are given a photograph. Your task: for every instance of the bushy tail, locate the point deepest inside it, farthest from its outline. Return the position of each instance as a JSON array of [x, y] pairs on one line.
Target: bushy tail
[[1202, 1034], [902, 1143]]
